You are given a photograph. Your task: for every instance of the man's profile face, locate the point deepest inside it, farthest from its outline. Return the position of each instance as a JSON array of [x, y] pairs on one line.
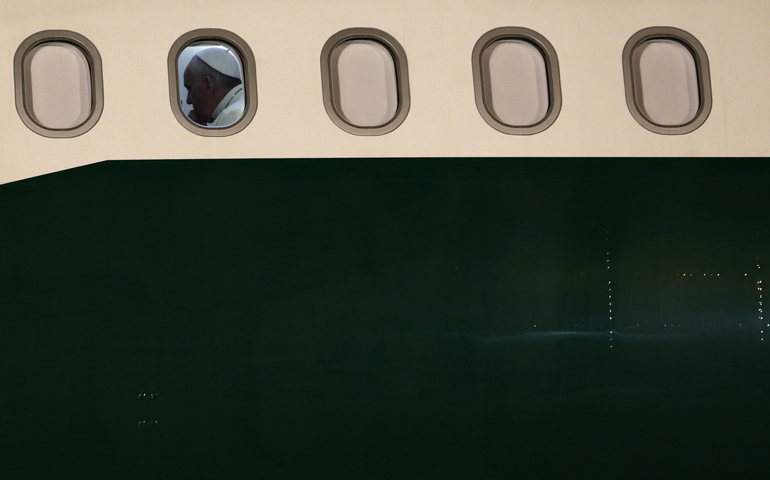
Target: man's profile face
[[200, 91]]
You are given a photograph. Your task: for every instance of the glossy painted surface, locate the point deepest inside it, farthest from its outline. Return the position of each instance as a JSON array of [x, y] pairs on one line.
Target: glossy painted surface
[[390, 318]]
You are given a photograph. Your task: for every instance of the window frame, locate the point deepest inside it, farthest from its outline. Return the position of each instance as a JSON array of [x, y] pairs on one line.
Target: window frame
[[632, 78], [551, 69], [248, 64], [330, 79], [23, 84]]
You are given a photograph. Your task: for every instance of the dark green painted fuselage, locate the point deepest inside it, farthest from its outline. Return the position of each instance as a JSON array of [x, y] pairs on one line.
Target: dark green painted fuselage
[[386, 319]]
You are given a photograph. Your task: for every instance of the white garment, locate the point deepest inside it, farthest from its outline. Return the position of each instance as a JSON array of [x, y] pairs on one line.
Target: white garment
[[230, 109]]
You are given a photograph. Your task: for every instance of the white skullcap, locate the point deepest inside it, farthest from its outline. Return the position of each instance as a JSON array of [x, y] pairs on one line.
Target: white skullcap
[[221, 60]]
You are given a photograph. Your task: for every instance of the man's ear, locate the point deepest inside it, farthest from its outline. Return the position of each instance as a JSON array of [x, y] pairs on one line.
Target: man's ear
[[208, 80]]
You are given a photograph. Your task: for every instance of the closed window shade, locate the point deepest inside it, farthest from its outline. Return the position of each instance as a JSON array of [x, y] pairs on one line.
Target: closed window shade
[[669, 82], [518, 82], [368, 89], [60, 81]]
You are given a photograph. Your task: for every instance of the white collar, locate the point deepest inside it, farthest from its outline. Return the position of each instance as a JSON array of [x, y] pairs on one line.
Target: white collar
[[226, 101]]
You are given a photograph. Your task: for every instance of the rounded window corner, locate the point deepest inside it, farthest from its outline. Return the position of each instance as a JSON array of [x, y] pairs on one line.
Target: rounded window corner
[[530, 109], [661, 64], [365, 81], [55, 64], [235, 104]]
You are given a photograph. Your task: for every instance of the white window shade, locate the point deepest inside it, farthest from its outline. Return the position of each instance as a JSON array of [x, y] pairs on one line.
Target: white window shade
[[518, 82], [368, 88], [669, 82], [60, 85]]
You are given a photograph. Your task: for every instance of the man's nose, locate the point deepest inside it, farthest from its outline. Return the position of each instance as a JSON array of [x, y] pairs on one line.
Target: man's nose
[[189, 102]]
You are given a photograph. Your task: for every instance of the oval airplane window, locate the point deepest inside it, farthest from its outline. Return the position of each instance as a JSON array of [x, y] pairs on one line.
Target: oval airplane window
[[669, 82], [667, 85], [365, 81], [211, 84], [60, 81], [212, 80], [518, 84], [516, 76], [368, 95], [58, 84]]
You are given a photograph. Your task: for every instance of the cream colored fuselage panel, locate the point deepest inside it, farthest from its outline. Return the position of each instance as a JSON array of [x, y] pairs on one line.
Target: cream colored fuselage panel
[[134, 38]]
